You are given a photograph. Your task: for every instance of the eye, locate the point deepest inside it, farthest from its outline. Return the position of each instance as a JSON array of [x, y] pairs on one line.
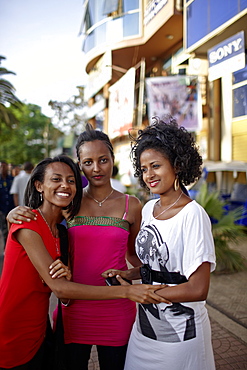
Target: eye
[[156, 166], [55, 178], [103, 160], [143, 170], [86, 163], [71, 181]]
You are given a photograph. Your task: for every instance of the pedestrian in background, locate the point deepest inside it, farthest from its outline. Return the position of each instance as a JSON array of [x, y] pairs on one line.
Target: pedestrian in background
[[19, 184], [175, 245], [6, 199]]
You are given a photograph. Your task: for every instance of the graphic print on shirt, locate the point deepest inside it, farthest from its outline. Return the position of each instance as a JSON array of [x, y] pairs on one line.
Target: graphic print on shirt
[[162, 322]]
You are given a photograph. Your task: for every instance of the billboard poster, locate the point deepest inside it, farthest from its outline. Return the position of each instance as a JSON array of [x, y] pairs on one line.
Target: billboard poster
[[178, 96], [121, 105]]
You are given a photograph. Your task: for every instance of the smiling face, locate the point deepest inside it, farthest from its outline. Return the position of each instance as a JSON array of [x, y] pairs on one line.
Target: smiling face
[[157, 172], [96, 162], [59, 187]]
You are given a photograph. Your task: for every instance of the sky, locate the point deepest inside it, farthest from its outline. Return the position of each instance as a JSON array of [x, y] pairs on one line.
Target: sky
[[39, 39]]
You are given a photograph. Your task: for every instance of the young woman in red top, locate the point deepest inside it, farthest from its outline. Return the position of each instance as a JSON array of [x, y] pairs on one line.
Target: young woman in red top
[[26, 284]]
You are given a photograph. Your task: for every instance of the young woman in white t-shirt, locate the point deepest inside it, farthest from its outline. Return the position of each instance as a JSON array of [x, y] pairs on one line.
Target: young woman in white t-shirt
[[175, 245]]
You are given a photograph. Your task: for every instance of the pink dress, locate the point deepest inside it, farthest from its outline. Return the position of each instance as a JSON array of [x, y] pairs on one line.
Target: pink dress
[[97, 244]]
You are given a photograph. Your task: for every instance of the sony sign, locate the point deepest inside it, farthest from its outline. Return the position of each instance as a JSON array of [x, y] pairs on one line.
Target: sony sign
[[228, 56]]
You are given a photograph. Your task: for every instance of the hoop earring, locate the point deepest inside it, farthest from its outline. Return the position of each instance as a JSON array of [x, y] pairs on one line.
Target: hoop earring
[[176, 184], [41, 197]]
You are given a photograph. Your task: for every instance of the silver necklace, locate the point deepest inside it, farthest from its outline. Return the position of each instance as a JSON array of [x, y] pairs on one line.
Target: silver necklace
[[100, 203], [55, 238], [173, 204]]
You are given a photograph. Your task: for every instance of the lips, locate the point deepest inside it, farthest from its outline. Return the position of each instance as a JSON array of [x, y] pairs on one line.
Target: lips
[[153, 183]]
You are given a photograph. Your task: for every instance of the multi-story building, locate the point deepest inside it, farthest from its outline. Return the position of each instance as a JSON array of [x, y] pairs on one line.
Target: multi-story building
[[130, 45]]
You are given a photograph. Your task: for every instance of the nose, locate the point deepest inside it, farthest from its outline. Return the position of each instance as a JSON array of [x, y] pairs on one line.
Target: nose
[[96, 167], [149, 174], [64, 184]]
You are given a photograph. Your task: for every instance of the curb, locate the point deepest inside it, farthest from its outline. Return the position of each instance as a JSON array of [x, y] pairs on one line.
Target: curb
[[232, 326]]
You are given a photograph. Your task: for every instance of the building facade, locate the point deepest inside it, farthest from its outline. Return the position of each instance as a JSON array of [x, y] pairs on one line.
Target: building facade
[[192, 51]]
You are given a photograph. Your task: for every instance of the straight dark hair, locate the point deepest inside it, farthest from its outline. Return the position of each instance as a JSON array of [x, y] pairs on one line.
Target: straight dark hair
[[89, 135], [32, 196]]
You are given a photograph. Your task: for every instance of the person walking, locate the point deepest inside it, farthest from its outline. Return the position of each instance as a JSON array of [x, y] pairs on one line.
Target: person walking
[[19, 184], [6, 199]]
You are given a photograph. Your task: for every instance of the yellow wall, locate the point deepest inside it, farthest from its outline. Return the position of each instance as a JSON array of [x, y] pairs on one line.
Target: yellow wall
[[239, 140]]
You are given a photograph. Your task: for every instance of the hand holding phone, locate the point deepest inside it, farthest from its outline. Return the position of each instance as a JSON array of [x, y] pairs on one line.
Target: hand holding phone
[[114, 281]]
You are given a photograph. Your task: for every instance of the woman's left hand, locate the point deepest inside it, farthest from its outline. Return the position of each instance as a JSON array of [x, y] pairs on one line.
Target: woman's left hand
[[58, 270], [113, 272]]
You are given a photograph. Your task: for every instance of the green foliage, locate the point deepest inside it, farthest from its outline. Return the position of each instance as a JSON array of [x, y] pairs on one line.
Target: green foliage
[[225, 230], [70, 114], [7, 99], [30, 140]]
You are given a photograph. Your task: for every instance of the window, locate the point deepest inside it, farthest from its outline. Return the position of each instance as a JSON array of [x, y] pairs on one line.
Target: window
[[240, 93], [113, 7]]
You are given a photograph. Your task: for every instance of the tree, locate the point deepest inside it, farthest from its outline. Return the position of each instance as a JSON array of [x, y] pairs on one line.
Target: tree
[[70, 115], [225, 230], [32, 140], [7, 99]]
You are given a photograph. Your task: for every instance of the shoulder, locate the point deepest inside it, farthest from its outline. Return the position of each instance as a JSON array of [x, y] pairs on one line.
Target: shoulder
[[194, 210], [32, 225], [135, 204], [134, 200]]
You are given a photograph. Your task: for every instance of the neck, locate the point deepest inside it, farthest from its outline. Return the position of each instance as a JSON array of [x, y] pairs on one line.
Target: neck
[[53, 216], [99, 192], [168, 198]]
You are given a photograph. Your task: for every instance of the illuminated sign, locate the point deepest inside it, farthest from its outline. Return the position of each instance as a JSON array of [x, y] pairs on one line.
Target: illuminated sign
[[228, 56]]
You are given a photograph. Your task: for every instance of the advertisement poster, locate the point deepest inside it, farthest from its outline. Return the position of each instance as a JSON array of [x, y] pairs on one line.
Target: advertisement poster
[[178, 96], [121, 105]]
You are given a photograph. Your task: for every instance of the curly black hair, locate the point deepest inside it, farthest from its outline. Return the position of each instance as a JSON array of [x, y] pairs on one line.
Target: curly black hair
[[32, 196], [90, 134], [175, 143]]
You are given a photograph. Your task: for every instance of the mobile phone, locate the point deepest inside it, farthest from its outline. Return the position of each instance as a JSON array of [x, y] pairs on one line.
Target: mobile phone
[[114, 281]]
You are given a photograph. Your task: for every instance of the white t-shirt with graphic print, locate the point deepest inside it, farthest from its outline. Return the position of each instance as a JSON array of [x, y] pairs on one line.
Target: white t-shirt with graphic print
[[176, 336]]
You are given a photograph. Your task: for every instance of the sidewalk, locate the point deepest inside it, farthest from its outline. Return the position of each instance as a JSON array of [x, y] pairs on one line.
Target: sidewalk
[[227, 308]]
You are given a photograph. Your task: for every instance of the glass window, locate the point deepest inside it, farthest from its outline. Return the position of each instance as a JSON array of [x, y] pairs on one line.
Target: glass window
[[167, 67], [131, 25], [240, 75], [196, 21], [130, 5], [240, 101], [204, 16], [110, 6], [219, 13], [240, 93]]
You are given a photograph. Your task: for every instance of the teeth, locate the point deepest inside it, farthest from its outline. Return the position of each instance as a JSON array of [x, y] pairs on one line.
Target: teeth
[[63, 194]]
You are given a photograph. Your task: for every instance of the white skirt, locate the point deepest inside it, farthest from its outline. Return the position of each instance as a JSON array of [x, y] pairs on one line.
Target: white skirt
[[147, 354]]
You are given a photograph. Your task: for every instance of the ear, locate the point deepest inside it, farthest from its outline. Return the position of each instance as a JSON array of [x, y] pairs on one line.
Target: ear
[[39, 186], [79, 165]]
